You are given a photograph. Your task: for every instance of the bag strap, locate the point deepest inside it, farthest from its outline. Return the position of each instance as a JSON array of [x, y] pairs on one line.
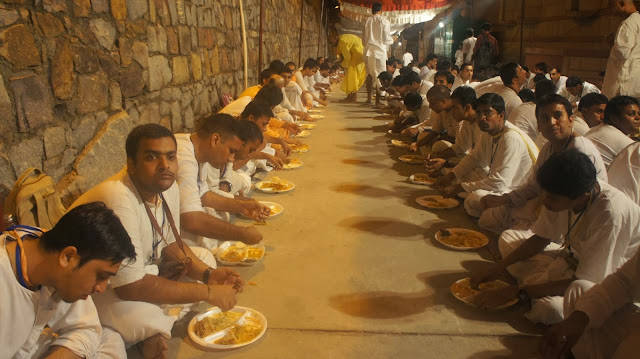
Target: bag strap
[[10, 201]]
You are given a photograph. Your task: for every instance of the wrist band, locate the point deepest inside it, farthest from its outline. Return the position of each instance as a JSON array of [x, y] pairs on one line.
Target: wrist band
[[205, 275]]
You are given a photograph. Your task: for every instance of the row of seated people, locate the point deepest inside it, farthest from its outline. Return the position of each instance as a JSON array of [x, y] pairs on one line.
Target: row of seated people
[[564, 201], [134, 254]]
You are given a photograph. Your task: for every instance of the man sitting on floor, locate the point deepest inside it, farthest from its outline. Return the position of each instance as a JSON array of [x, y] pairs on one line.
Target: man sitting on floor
[[464, 76], [575, 89], [591, 109], [508, 153], [47, 280], [444, 78], [512, 78], [601, 234], [146, 198], [444, 126], [309, 68], [621, 119], [259, 112]]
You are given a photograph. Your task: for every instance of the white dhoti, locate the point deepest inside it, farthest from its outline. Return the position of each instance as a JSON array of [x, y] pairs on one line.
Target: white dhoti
[[440, 146], [285, 116], [111, 345], [137, 321], [472, 203], [499, 219], [375, 66], [617, 338]]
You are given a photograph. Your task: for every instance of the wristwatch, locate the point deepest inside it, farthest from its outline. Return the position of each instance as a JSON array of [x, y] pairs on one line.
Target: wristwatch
[[206, 274]]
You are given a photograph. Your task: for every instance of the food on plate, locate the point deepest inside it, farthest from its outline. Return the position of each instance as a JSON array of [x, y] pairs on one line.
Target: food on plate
[[463, 291], [401, 144], [307, 126], [301, 148], [459, 238], [292, 163], [276, 183], [437, 202], [235, 253], [253, 255], [413, 159], [215, 323], [242, 333], [423, 179]]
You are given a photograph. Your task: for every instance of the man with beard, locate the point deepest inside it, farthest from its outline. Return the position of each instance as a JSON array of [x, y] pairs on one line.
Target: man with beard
[[146, 198]]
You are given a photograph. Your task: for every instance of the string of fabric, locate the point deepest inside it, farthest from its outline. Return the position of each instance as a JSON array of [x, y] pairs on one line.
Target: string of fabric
[[567, 236], [495, 142], [156, 240], [21, 256]]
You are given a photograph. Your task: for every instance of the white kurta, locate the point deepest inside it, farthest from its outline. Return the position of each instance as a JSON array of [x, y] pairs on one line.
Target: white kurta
[[377, 37], [467, 138], [623, 66], [25, 314], [407, 58], [561, 85], [467, 48], [293, 92], [587, 88], [609, 141], [624, 172], [236, 107], [300, 80], [458, 82], [510, 97]]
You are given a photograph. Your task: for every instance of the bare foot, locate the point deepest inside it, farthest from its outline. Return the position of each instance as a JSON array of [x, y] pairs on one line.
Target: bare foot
[[154, 347]]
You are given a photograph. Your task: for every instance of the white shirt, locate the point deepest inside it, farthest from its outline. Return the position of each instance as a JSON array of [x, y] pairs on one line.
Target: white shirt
[[561, 84], [587, 88], [407, 58], [301, 81], [459, 57], [396, 73], [236, 107], [25, 314], [509, 161], [425, 86], [119, 194], [624, 172], [377, 36], [609, 141], [467, 47], [467, 138], [458, 82], [623, 66], [293, 92], [446, 122], [524, 118], [510, 97]]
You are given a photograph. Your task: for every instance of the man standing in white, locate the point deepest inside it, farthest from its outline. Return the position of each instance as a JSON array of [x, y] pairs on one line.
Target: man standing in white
[[622, 68], [377, 37], [407, 58], [467, 46]]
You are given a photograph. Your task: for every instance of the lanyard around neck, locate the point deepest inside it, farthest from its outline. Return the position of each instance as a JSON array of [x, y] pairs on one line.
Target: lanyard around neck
[[21, 262], [495, 141], [567, 237]]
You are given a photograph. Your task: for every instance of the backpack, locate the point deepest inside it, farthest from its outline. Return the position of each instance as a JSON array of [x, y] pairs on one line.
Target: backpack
[[484, 55], [33, 201]]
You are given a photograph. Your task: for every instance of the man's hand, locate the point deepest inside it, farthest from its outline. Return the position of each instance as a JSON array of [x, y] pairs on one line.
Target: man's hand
[[276, 162], [492, 298], [323, 102], [492, 200], [250, 235], [286, 148], [560, 338], [445, 181], [411, 131], [226, 276], [306, 117], [255, 210], [292, 127], [436, 164], [293, 141], [452, 190], [222, 296], [413, 146], [482, 276]]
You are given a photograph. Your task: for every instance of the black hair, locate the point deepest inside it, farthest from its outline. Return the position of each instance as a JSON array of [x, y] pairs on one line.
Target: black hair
[[265, 74], [310, 64], [591, 99], [465, 95], [278, 67], [544, 87], [558, 69], [569, 173], [465, 65], [539, 77], [526, 95], [249, 131], [256, 108], [448, 76], [406, 70], [95, 231], [318, 58], [412, 77], [542, 66], [486, 26], [398, 81], [573, 81], [413, 101], [221, 123], [526, 68], [385, 76], [443, 65], [508, 72], [478, 75], [291, 63], [146, 131], [615, 106], [492, 99], [271, 94], [553, 99], [431, 57], [455, 67], [376, 8], [397, 61], [325, 66], [391, 62], [468, 32]]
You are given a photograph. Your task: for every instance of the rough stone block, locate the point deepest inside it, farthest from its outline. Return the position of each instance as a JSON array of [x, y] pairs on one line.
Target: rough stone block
[[189, 121], [152, 11], [104, 31], [131, 81], [141, 53], [182, 19], [162, 40], [93, 93], [159, 72], [210, 39], [7, 175], [83, 132], [172, 41], [7, 120], [62, 74], [184, 36], [176, 117], [115, 96], [58, 166], [108, 64], [48, 24], [194, 39], [27, 153], [8, 17], [165, 109], [152, 39], [163, 11], [126, 55], [196, 67], [19, 47], [215, 62], [119, 9], [207, 63], [54, 5], [81, 8], [54, 141], [104, 155], [33, 101], [173, 11], [137, 8], [100, 6], [180, 67]]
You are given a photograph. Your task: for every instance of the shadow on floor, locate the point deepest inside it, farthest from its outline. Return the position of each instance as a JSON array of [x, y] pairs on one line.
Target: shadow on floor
[[520, 346], [380, 305], [366, 161], [384, 226]]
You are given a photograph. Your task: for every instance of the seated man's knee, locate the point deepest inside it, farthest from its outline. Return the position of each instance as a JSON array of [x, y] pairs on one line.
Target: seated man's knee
[[573, 292]]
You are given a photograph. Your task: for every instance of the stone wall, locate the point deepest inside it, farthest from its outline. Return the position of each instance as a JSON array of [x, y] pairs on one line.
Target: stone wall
[[77, 75]]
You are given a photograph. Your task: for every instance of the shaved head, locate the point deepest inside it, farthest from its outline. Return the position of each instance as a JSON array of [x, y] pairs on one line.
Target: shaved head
[[277, 80], [439, 92]]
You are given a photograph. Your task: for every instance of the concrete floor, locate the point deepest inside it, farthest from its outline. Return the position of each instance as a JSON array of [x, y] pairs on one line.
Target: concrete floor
[[352, 269]]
